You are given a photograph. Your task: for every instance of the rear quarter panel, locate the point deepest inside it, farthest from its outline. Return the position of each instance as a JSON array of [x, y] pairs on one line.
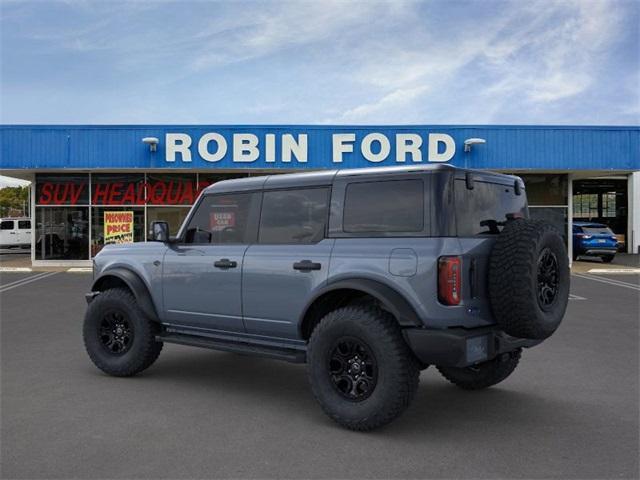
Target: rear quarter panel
[[371, 258]]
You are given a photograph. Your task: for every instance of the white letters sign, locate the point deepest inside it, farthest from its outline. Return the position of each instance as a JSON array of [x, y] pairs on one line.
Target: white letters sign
[[288, 148]]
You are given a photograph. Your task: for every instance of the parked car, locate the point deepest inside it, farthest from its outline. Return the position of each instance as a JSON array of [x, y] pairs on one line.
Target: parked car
[[366, 275], [594, 240], [15, 232]]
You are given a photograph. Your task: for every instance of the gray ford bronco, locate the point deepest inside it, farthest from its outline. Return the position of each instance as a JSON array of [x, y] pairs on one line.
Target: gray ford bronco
[[367, 275]]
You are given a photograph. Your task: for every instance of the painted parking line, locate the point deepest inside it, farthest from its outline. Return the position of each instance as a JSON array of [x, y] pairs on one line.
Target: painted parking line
[[15, 269], [609, 281], [24, 281], [80, 270], [614, 270], [575, 297]]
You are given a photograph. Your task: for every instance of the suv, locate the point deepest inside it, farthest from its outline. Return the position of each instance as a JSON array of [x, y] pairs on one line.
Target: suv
[[594, 240], [366, 275]]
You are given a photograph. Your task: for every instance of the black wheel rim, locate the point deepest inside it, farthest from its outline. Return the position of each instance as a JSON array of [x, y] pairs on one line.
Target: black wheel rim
[[116, 332], [547, 279], [353, 369]]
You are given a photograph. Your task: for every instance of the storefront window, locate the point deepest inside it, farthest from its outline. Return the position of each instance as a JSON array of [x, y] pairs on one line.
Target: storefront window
[[62, 233], [66, 202], [98, 225], [174, 216], [546, 189], [117, 189], [171, 189], [62, 189]]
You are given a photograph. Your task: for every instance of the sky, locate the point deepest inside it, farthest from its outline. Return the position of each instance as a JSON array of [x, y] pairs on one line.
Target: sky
[[320, 62]]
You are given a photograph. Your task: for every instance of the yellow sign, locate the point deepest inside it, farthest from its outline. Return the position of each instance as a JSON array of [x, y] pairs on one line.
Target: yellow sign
[[118, 227]]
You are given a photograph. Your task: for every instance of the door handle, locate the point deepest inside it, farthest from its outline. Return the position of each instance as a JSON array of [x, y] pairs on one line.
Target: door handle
[[225, 263], [306, 265]]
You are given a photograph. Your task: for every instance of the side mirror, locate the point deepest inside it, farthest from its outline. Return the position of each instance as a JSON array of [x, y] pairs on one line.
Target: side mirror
[[159, 232]]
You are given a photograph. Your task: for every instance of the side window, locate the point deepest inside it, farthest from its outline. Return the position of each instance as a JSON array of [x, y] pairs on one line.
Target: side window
[[6, 225], [294, 216], [223, 219], [384, 206], [24, 224], [484, 209]]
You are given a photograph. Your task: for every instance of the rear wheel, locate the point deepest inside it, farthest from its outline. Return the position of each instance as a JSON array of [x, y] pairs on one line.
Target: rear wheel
[[608, 258], [118, 337], [485, 374], [361, 371]]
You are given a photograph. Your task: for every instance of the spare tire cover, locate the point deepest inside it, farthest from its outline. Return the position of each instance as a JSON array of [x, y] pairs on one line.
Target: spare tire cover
[[529, 279]]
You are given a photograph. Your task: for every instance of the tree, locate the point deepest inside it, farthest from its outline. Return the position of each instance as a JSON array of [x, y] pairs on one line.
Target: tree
[[14, 200]]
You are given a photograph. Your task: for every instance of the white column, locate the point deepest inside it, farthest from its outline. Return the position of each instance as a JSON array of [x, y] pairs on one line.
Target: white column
[[570, 217], [633, 230]]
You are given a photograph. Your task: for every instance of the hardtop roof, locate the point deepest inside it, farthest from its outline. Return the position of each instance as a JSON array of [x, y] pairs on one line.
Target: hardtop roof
[[326, 177]]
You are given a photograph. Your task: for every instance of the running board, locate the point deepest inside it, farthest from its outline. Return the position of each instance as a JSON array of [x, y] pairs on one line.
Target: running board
[[279, 353]]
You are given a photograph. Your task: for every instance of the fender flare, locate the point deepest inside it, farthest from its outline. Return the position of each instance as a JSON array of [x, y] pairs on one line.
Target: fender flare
[[393, 301], [135, 284]]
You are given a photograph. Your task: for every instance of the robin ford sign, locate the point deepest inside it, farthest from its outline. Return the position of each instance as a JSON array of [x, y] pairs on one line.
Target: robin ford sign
[[294, 148]]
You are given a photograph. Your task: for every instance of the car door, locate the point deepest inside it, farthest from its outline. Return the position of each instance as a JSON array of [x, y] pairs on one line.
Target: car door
[[24, 232], [202, 271], [8, 235], [290, 260]]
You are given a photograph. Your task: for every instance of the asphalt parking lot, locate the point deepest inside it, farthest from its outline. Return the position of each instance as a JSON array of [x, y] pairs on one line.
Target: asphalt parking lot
[[569, 410]]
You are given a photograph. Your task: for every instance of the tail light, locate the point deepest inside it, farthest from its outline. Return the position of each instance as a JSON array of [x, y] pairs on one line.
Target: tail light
[[449, 280]]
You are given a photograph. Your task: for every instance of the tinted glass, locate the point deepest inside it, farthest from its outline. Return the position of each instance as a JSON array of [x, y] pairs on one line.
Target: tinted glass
[[100, 235], [117, 189], [6, 225], [221, 219], [294, 216], [62, 189], [62, 233], [171, 189], [24, 224], [484, 209], [390, 206]]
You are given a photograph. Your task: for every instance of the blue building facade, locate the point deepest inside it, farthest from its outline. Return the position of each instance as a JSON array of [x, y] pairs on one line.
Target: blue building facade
[[156, 171]]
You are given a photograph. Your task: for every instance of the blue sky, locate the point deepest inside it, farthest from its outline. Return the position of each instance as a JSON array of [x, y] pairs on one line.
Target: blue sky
[[321, 62]]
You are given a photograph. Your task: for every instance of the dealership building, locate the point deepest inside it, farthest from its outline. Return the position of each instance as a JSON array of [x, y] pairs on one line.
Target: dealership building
[[81, 172]]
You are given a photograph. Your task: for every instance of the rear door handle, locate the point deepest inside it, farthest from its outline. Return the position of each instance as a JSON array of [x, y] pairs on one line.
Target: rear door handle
[[306, 265], [225, 263]]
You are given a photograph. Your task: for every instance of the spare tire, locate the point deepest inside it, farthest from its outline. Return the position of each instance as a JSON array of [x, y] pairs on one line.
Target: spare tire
[[529, 279]]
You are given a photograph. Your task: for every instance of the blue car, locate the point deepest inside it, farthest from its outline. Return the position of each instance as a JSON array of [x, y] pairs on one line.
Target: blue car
[[594, 240]]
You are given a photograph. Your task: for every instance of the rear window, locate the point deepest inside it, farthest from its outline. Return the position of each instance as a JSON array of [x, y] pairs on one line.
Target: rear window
[[597, 230], [23, 224], [484, 209], [6, 225], [394, 206]]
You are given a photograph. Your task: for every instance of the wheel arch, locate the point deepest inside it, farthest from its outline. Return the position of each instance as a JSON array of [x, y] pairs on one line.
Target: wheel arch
[[123, 277], [338, 294]]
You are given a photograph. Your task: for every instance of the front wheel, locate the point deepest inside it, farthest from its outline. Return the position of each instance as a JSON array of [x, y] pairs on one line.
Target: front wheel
[[118, 337], [361, 371], [483, 375]]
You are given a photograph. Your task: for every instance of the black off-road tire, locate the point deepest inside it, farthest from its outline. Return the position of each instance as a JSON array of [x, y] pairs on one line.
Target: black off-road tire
[[397, 376], [484, 374], [608, 258], [141, 350], [519, 279]]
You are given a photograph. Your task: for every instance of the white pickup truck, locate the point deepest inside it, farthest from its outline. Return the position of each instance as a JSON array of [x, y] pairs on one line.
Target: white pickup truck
[[15, 232]]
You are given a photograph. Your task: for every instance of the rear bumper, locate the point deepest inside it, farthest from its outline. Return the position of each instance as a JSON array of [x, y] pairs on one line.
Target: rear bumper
[[459, 347], [599, 251]]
